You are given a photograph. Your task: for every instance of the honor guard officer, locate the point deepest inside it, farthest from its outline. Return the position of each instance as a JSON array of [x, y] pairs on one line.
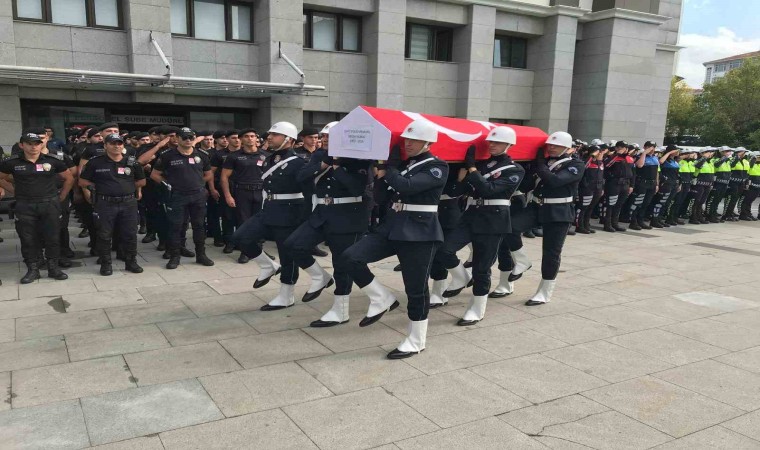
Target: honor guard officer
[[241, 180], [705, 171], [647, 184], [559, 176], [117, 181], [281, 214], [339, 218], [310, 140], [409, 230], [722, 164], [185, 171], [38, 203], [754, 189], [686, 177], [590, 189], [738, 183], [618, 172], [490, 184], [669, 186]]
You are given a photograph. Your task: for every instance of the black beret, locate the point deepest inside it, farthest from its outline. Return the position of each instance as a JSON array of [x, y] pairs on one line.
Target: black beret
[[108, 125], [308, 131], [220, 134], [233, 132], [248, 130]]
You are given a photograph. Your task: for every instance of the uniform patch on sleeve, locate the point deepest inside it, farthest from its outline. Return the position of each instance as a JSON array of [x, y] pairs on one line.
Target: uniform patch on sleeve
[[573, 170], [514, 178], [436, 172]]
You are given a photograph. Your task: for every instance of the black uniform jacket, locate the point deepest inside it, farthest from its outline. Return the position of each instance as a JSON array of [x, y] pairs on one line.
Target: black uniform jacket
[[283, 180], [450, 208], [560, 182]]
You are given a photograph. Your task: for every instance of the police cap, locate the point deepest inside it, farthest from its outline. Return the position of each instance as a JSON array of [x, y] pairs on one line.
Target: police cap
[[111, 138], [621, 144], [233, 133], [30, 136], [108, 125]]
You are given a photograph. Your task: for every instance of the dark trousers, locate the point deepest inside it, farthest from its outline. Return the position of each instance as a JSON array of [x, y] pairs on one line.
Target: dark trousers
[[249, 235], [750, 195], [178, 208], [303, 240], [735, 190], [484, 249], [415, 258], [681, 205], [642, 196], [227, 215], [32, 216], [84, 210], [65, 239], [213, 217], [584, 207], [509, 243], [551, 248], [617, 194], [717, 195], [663, 200], [155, 213], [247, 203], [107, 215]]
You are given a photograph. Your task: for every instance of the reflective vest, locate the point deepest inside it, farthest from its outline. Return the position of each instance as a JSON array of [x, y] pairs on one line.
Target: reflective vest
[[725, 167]]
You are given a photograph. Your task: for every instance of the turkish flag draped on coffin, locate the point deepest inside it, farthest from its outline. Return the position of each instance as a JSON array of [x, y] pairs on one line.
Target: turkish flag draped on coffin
[[369, 133]]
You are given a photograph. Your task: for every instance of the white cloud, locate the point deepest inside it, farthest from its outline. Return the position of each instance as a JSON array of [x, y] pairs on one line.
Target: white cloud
[[698, 4], [702, 48]]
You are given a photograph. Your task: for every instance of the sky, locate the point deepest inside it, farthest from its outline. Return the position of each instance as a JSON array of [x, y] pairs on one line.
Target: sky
[[714, 29]]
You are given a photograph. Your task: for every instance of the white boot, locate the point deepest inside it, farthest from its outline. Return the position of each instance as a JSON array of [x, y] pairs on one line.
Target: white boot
[[504, 288], [268, 269], [543, 294], [522, 264], [337, 315], [381, 300], [284, 299], [475, 311], [414, 342], [320, 279], [436, 293], [460, 279]]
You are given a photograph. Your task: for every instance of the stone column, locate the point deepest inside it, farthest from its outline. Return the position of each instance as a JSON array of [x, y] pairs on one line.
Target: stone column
[[474, 53], [141, 17], [10, 105], [385, 49], [551, 59]]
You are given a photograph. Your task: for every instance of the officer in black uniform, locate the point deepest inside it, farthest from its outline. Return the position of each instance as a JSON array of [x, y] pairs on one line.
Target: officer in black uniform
[[738, 184], [214, 208], [309, 140], [185, 172], [704, 184], [410, 230], [241, 180], [618, 172], [116, 180], [722, 164], [647, 184], [38, 203], [559, 177], [490, 184], [590, 188], [669, 187], [226, 213], [155, 216], [281, 214], [339, 218]]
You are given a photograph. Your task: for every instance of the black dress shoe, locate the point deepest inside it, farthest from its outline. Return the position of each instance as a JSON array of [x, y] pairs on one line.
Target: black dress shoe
[[106, 269], [258, 283], [166, 255], [274, 307], [454, 292], [495, 294], [204, 260], [316, 251], [467, 264], [161, 246], [65, 263], [173, 263], [186, 252], [367, 321], [150, 237], [397, 268], [31, 275], [218, 243], [84, 233], [513, 277], [229, 248], [582, 231], [398, 354], [533, 303], [325, 324], [634, 226], [529, 234], [464, 323], [132, 266], [309, 296], [141, 230], [66, 252], [272, 257], [242, 259]]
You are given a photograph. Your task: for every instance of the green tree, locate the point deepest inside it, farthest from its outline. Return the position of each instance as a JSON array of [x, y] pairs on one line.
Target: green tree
[[681, 110]]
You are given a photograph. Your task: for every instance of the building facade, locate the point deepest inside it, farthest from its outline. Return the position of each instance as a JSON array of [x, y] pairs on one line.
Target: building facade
[[598, 68], [720, 67]]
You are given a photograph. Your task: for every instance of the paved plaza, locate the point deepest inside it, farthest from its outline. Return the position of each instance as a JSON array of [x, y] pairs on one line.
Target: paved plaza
[[652, 340]]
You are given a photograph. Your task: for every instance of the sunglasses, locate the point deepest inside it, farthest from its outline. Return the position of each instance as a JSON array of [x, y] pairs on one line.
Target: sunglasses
[[188, 138]]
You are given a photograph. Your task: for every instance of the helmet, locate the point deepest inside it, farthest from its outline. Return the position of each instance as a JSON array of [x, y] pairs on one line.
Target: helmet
[[726, 148], [597, 142], [502, 134], [326, 129], [421, 130], [740, 149], [286, 128], [560, 138]]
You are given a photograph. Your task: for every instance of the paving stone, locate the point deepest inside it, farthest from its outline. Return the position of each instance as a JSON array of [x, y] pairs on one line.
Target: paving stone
[[534, 419], [8, 292], [550, 309], [55, 426], [141, 443], [7, 330], [666, 346], [5, 386], [107, 299], [299, 316], [189, 274], [496, 313], [745, 318], [165, 293], [358, 369], [234, 285], [150, 313], [509, 341], [719, 334], [712, 439], [484, 434], [673, 308], [226, 304], [748, 425], [206, 329], [722, 382], [129, 281], [624, 318], [33, 353], [607, 361], [716, 301], [138, 412], [608, 430], [28, 307], [352, 337], [454, 398], [747, 359], [176, 363], [68, 381], [538, 378], [635, 290], [248, 391], [65, 323], [451, 353], [55, 289], [269, 429], [116, 341], [664, 406], [572, 329], [273, 348], [363, 419]]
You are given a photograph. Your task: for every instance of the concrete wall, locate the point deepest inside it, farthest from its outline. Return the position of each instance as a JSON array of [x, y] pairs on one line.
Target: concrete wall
[[214, 59], [431, 87], [343, 74], [512, 94]]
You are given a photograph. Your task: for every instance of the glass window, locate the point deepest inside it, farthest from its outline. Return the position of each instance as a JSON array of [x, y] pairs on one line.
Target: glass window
[[69, 12], [324, 28], [208, 17], [510, 52], [29, 9], [720, 68], [179, 16], [351, 32], [735, 64], [429, 43], [419, 42], [240, 21], [107, 13]]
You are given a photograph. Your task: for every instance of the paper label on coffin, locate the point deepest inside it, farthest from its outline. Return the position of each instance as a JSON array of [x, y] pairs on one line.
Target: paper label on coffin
[[369, 133]]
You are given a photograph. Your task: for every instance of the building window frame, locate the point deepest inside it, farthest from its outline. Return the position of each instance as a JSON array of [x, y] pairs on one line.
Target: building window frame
[[435, 46], [734, 65], [518, 122], [308, 38], [720, 68], [228, 4], [46, 7], [512, 41]]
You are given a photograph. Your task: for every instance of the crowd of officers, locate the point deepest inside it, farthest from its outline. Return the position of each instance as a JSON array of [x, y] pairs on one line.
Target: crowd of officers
[[243, 189]]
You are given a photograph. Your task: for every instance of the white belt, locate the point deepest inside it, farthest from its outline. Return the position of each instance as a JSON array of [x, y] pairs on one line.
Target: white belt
[[337, 201], [486, 202], [268, 196], [448, 197], [398, 207], [554, 201]]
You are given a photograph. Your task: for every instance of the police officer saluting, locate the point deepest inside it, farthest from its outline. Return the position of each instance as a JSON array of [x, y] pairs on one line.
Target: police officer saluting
[[38, 202], [185, 172], [117, 181], [410, 230]]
